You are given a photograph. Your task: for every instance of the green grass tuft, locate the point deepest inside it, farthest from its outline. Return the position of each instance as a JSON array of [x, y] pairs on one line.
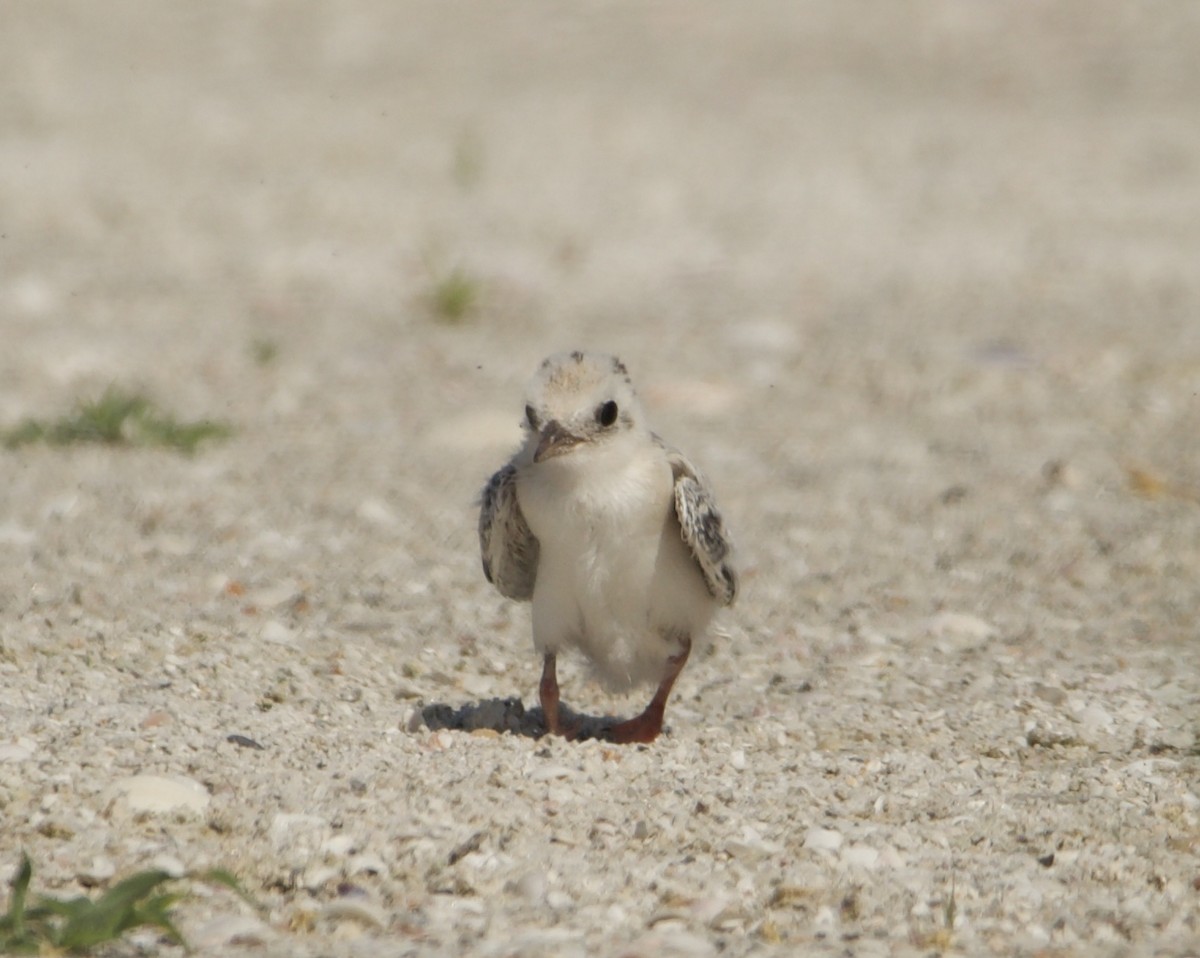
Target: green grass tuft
[[80, 924], [454, 296], [118, 417], [468, 159], [264, 351]]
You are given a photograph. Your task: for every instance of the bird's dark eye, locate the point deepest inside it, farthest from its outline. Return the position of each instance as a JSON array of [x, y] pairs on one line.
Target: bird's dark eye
[[531, 417], [606, 413]]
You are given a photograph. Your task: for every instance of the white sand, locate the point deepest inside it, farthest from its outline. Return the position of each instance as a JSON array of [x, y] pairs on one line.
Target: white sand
[[916, 284]]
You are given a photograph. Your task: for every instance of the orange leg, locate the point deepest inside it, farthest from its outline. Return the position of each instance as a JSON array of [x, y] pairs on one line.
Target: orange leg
[[645, 727], [556, 722], [548, 692]]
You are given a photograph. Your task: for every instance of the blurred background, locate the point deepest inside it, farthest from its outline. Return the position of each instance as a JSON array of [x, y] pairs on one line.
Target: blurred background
[[917, 284], [857, 257]]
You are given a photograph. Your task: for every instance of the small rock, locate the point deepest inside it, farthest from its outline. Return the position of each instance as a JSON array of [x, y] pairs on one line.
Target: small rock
[[275, 631], [862, 856], [737, 758], [1050, 693], [407, 690], [97, 873], [531, 886], [376, 512], [231, 930], [275, 596], [160, 793], [440, 741], [367, 864], [286, 823], [719, 914], [339, 846], [1095, 719], [752, 845], [945, 624], [825, 920], [317, 876], [559, 900], [1174, 740], [15, 752], [823, 839], [667, 942], [169, 864], [354, 909], [545, 773], [298, 836]]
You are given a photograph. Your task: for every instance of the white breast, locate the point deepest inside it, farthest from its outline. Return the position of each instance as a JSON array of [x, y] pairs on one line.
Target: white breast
[[615, 578]]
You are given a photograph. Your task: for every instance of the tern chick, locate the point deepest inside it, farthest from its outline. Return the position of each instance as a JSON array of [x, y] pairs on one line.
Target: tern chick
[[613, 535]]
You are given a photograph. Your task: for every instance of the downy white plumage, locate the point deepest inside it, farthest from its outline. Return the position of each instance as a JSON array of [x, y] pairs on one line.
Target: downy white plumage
[[611, 533]]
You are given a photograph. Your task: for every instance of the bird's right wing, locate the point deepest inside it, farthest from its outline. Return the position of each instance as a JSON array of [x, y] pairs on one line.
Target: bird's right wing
[[509, 549], [702, 528]]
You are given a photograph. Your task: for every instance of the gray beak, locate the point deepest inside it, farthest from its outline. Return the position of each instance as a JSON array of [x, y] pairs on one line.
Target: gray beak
[[554, 441]]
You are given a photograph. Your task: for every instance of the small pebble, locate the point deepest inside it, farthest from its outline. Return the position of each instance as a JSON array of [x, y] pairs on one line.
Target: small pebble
[[15, 752], [339, 846], [169, 864], [531, 886], [544, 773], [862, 856], [367, 864], [158, 793], [356, 909], [668, 942], [1050, 693], [155, 719], [97, 873], [233, 929], [823, 839], [377, 513], [275, 631], [559, 900], [946, 623], [1095, 719]]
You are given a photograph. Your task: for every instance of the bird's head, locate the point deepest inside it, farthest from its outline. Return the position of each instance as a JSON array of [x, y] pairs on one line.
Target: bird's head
[[578, 401]]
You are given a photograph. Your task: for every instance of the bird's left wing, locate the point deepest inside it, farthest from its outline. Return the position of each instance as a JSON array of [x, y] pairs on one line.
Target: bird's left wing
[[509, 549], [702, 528]]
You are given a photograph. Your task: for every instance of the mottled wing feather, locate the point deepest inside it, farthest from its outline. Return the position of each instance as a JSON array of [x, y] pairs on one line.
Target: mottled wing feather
[[508, 548], [702, 528]]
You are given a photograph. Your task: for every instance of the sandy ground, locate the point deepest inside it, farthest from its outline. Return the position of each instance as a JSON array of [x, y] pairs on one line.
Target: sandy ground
[[916, 284]]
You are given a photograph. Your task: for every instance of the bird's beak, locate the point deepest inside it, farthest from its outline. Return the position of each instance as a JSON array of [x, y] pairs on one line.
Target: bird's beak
[[554, 441]]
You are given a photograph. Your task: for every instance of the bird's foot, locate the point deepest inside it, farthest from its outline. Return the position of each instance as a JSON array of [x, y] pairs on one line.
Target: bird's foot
[[566, 726], [644, 728]]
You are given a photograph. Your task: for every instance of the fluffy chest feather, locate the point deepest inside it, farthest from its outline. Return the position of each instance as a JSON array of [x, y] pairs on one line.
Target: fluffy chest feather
[[598, 508], [603, 529]]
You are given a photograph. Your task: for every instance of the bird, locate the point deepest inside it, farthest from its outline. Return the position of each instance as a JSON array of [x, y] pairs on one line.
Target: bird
[[611, 534]]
